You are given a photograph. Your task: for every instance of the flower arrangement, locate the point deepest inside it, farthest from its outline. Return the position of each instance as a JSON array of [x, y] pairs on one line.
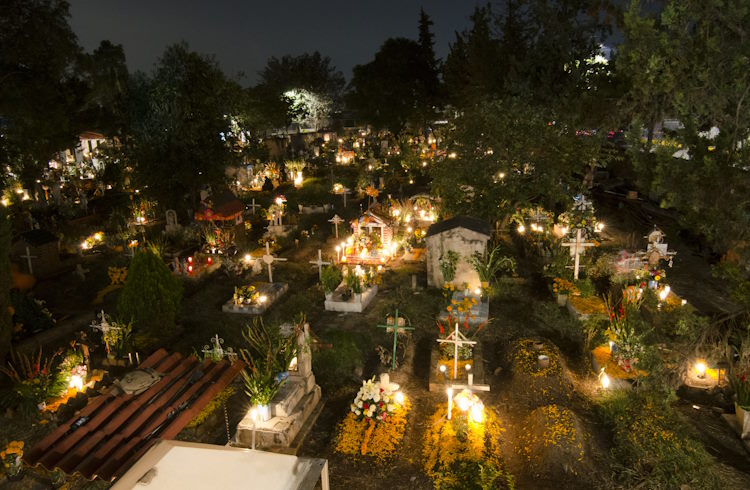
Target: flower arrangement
[[623, 333], [592, 305], [35, 381], [245, 295], [371, 191], [563, 286], [448, 263], [11, 457], [362, 436], [374, 401]]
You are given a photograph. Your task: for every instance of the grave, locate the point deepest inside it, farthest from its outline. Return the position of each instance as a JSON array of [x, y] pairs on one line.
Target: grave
[[465, 236], [267, 294], [172, 227], [276, 228], [461, 367], [340, 301], [293, 410]]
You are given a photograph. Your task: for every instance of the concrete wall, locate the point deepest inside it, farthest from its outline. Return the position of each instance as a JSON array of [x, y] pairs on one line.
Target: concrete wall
[[465, 243]]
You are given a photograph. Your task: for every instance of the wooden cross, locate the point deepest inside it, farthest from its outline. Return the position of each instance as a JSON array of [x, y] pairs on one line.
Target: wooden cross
[[253, 206], [336, 220], [269, 259], [577, 248], [320, 263], [28, 258], [396, 327], [456, 338]]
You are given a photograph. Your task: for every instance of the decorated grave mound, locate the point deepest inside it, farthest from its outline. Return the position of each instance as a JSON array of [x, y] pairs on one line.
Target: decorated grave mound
[[376, 422], [464, 451], [538, 372], [551, 441]]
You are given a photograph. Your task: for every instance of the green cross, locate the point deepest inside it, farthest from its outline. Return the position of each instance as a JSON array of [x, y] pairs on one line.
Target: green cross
[[396, 327]]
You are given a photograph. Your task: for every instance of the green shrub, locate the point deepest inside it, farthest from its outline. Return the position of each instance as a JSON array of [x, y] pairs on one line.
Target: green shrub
[[150, 298], [338, 363], [331, 278], [651, 443]]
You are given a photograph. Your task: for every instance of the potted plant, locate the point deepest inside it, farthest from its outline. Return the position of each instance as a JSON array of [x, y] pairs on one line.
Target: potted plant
[[563, 288], [330, 278], [267, 357]]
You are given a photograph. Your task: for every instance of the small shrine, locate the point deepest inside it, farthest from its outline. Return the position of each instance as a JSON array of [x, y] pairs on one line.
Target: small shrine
[[371, 242]]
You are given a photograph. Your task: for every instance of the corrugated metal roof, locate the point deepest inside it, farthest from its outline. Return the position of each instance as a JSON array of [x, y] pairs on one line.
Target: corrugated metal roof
[[108, 435]]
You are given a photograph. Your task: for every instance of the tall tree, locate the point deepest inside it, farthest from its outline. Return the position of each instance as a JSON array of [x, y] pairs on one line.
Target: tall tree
[[508, 155], [690, 61], [179, 125], [284, 79], [39, 92], [106, 77]]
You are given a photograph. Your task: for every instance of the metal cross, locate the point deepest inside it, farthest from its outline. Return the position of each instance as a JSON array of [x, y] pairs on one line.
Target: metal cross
[[320, 263], [577, 248], [456, 338], [396, 327], [269, 259]]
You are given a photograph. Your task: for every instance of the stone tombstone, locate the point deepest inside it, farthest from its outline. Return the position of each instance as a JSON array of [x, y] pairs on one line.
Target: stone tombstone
[[172, 225], [464, 235]]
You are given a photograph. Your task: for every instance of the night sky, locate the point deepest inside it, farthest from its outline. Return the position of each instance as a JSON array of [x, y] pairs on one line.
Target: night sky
[[244, 34]]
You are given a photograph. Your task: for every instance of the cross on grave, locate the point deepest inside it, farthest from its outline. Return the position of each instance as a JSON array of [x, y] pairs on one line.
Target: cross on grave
[[28, 258], [253, 206], [320, 263], [336, 220], [269, 259], [456, 338], [396, 327], [216, 352], [104, 327], [580, 203], [344, 191], [469, 386], [577, 248]]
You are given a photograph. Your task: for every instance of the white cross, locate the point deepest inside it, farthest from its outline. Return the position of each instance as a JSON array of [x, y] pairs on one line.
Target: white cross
[[269, 259], [253, 206], [456, 338], [336, 220], [320, 263], [28, 258], [577, 248]]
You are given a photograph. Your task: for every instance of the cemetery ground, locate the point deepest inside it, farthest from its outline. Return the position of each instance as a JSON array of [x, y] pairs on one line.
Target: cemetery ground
[[521, 308]]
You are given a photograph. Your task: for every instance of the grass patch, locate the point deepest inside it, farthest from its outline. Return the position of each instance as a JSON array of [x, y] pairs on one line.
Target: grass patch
[[652, 446], [339, 363]]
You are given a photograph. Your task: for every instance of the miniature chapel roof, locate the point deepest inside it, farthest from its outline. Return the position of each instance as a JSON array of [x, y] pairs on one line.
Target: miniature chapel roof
[[468, 222]]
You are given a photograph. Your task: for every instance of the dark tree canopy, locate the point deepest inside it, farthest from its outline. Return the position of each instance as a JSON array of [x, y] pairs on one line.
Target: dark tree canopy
[[38, 89], [177, 120]]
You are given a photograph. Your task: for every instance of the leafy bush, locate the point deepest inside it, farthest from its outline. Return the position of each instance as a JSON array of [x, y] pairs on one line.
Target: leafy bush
[[338, 363], [331, 278], [448, 263], [151, 296], [267, 356], [29, 314], [652, 444]]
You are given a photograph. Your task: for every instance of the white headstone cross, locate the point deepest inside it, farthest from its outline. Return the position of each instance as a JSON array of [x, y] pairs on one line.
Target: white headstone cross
[[456, 338], [28, 258], [253, 206], [269, 259], [577, 248], [336, 220], [320, 263]]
